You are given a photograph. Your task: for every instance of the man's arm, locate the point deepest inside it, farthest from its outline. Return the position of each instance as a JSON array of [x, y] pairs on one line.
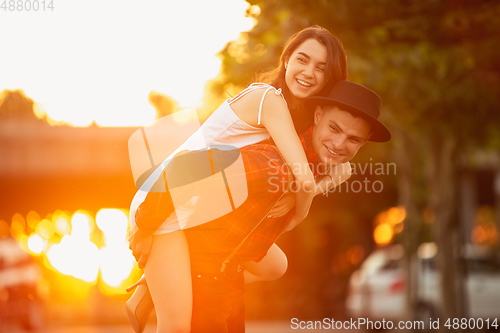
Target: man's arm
[[150, 215], [153, 211], [140, 244]]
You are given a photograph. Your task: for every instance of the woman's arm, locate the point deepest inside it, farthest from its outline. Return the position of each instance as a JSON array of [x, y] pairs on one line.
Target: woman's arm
[[335, 176], [277, 120]]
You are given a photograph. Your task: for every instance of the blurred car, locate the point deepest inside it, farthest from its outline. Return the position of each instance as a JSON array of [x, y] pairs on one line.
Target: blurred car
[[377, 289], [19, 299]]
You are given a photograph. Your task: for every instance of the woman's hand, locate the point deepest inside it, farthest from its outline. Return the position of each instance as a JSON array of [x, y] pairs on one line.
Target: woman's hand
[[334, 177], [340, 173], [293, 223], [283, 205], [140, 244]]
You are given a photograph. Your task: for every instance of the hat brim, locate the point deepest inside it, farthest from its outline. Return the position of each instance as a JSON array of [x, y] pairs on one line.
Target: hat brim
[[380, 132]]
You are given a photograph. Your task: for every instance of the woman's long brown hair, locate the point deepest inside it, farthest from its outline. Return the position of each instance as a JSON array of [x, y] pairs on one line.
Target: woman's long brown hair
[[335, 70]]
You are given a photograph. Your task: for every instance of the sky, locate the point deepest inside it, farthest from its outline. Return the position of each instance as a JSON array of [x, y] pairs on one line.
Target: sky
[[91, 60]]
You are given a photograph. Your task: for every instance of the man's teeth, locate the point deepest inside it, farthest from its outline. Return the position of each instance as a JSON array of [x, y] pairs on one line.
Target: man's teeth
[[304, 83], [332, 152]]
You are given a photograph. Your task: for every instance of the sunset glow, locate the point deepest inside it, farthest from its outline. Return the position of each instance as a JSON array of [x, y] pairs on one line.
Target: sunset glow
[[76, 255], [115, 258], [80, 72], [70, 244]]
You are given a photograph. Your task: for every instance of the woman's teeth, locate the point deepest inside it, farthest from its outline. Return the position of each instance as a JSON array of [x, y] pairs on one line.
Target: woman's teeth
[[304, 83]]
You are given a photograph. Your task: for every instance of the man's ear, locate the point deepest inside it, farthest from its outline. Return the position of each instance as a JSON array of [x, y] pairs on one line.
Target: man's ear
[[318, 112]]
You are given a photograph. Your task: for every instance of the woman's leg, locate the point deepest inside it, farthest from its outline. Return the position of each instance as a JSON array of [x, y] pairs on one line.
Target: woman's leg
[[271, 267], [168, 274], [218, 303]]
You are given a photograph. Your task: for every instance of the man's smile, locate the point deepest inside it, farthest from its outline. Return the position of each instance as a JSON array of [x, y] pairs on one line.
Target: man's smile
[[332, 152]]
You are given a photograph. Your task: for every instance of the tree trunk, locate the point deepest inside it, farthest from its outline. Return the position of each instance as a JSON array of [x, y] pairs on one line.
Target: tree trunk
[[407, 177], [443, 199]]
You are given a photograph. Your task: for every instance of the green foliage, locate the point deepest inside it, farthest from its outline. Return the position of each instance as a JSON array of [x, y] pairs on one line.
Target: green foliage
[[433, 62]]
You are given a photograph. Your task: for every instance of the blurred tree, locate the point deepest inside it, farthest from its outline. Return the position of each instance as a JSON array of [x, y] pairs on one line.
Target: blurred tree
[[435, 65], [163, 104], [15, 104]]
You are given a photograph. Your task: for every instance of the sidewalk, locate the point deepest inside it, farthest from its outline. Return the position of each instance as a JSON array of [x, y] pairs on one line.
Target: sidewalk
[[251, 327]]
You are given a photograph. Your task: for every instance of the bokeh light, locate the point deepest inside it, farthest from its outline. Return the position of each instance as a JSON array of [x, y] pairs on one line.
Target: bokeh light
[[427, 250], [388, 223], [67, 244], [76, 255], [45, 229], [61, 222], [115, 258], [383, 234], [17, 225], [485, 231], [355, 254], [36, 244], [32, 219], [114, 224]]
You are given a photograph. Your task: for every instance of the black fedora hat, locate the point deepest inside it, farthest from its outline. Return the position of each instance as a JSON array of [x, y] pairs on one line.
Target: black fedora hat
[[355, 98]]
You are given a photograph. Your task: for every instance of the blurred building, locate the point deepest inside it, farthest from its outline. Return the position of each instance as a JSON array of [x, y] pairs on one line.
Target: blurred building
[[46, 167]]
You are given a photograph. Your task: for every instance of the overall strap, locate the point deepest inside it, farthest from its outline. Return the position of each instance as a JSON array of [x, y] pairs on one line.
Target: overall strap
[[255, 86], [276, 91], [252, 87]]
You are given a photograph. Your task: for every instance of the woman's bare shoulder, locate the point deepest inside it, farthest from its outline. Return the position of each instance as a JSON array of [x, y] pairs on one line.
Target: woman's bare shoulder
[[247, 107]]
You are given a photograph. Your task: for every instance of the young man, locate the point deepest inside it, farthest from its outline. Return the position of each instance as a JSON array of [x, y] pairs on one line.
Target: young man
[[343, 122]]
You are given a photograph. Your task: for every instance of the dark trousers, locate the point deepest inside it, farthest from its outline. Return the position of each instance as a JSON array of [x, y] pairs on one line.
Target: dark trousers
[[218, 302]]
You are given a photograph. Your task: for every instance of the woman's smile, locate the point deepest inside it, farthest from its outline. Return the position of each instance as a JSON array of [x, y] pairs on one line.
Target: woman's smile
[[304, 83]]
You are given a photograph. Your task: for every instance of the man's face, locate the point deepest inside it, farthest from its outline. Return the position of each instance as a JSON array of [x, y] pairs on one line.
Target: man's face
[[338, 134]]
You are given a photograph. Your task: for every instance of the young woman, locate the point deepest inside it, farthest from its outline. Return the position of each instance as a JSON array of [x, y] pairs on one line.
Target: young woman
[[311, 63]]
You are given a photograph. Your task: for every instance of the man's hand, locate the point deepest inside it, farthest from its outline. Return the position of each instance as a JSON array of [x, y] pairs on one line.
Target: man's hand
[[283, 205], [140, 244]]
